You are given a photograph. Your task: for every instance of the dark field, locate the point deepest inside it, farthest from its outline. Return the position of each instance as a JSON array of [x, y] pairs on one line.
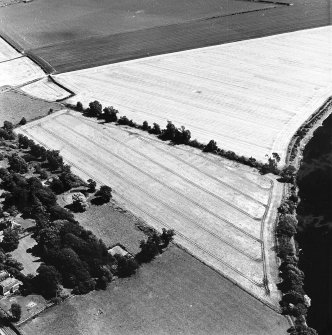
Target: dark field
[[61, 21], [175, 294], [88, 33]]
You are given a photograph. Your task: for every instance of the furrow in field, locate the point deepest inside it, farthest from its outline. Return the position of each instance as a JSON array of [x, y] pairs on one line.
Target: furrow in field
[[162, 182]]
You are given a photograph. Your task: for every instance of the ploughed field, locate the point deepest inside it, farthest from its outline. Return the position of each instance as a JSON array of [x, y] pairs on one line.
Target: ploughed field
[[77, 34], [249, 96], [222, 214]]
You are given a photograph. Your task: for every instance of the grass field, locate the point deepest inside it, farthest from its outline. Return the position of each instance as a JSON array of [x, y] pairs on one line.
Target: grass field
[[22, 254], [112, 226], [77, 34], [175, 294], [249, 96], [14, 105], [221, 214]]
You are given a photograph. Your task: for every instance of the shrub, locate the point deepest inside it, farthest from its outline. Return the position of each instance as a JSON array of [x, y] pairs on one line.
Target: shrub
[[94, 110], [211, 146], [23, 121], [57, 186], [285, 247], [110, 114], [166, 237], [288, 174], [145, 126], [91, 185], [59, 213], [104, 193], [17, 164], [79, 202], [155, 129], [126, 265], [16, 311], [10, 240], [287, 225], [43, 174], [79, 106], [55, 161]]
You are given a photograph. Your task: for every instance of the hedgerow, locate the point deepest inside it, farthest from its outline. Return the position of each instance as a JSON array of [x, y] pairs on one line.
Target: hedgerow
[[178, 136]]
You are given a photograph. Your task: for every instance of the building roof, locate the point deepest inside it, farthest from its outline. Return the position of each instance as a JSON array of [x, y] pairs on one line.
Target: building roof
[[8, 283], [117, 250]]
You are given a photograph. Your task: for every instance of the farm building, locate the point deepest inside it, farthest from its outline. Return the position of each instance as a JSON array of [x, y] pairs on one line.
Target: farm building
[[118, 250], [9, 285]]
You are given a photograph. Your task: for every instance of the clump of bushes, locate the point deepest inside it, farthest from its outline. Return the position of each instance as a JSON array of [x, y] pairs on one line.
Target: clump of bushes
[[6, 131], [154, 245]]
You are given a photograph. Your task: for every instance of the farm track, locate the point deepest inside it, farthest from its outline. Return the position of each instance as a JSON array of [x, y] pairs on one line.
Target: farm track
[[172, 209], [157, 40], [156, 219]]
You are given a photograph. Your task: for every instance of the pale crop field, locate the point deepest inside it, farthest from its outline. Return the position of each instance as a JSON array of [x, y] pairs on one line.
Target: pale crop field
[[221, 213], [19, 71], [46, 89], [7, 52], [249, 96]]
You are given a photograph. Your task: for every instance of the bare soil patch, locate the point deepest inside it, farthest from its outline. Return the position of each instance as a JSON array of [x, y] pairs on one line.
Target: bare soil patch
[[175, 294]]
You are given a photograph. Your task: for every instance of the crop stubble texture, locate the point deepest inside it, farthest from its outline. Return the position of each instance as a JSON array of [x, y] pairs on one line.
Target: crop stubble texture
[[216, 212], [249, 96]]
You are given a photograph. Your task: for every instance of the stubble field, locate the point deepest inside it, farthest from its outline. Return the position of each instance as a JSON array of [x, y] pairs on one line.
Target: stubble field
[[249, 96], [221, 214]]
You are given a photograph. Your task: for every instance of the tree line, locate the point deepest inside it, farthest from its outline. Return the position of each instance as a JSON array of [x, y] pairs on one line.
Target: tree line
[[181, 136], [294, 300]]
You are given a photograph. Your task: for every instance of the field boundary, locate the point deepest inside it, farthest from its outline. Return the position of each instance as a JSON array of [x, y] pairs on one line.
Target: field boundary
[[42, 63], [316, 118], [11, 42], [63, 87]]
